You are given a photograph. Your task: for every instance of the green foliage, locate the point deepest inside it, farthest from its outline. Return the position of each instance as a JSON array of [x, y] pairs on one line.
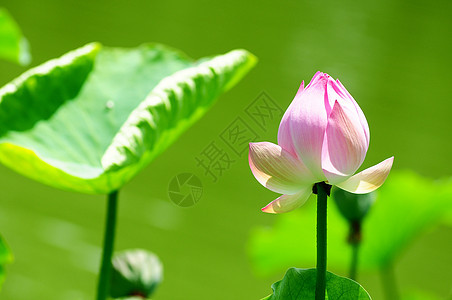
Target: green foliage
[[419, 295], [13, 46], [418, 201], [92, 119], [300, 284], [6, 257], [135, 272]]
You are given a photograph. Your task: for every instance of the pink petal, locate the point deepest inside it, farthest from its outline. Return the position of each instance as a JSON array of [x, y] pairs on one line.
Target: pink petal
[[368, 180], [286, 203], [301, 88], [345, 145], [277, 169], [284, 135], [361, 116], [303, 125], [317, 76]]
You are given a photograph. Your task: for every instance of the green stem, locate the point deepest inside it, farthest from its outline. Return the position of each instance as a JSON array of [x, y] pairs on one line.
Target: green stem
[[321, 189], [354, 240], [354, 262], [109, 238], [389, 282]]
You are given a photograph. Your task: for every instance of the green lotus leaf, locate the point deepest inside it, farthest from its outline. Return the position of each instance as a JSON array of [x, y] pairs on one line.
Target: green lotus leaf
[[13, 45], [92, 119], [300, 284], [418, 201], [6, 257]]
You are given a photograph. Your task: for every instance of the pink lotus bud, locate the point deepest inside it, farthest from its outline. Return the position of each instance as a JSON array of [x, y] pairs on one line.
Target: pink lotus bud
[[323, 136]]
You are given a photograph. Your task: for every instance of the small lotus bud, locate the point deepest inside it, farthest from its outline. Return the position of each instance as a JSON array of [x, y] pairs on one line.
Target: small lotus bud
[[353, 207], [135, 273]]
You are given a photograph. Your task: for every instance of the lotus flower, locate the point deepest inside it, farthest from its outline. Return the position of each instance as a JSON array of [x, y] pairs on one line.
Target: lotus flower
[[323, 136]]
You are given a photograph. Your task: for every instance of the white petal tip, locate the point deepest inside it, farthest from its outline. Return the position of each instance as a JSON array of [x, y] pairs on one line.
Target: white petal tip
[[268, 209], [286, 203], [369, 179]]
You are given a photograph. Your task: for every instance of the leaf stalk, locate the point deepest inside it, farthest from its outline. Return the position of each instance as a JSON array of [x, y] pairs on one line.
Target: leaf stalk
[[322, 190], [103, 287]]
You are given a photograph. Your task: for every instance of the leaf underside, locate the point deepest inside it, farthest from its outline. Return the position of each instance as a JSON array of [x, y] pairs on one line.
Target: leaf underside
[[300, 284], [92, 119]]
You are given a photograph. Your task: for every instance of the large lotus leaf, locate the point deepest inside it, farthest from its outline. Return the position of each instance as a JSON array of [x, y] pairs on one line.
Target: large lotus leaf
[[13, 45], [405, 206], [300, 284], [90, 120], [5, 258]]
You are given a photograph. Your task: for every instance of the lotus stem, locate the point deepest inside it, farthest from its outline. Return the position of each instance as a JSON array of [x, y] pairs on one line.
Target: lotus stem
[[354, 262], [103, 288], [322, 190], [354, 239], [389, 282]]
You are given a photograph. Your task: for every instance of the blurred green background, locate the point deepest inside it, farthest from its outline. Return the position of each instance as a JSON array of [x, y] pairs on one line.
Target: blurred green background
[[394, 57]]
